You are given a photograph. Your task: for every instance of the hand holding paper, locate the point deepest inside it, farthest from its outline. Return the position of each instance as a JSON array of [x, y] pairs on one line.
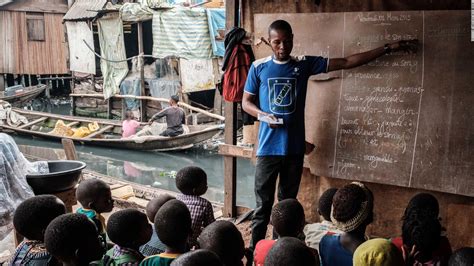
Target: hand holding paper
[[270, 119]]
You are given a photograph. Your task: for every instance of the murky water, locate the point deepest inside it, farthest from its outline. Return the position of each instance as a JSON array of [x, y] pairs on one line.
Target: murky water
[[158, 169]]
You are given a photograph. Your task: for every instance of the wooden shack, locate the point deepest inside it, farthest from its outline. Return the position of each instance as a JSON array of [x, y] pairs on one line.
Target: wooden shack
[[435, 153], [33, 39]]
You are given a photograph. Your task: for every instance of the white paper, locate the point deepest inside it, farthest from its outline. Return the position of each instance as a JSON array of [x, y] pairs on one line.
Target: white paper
[[269, 120]]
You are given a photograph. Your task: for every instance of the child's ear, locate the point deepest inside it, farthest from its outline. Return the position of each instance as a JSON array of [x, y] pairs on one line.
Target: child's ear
[[77, 254], [90, 205]]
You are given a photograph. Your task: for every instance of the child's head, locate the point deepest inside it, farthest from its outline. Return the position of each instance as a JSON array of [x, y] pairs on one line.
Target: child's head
[[73, 239], [33, 215], [352, 207], [288, 218], [325, 203], [155, 204], [129, 228], [191, 180], [129, 115], [378, 251], [224, 239], [423, 201], [462, 257], [200, 257], [290, 251], [173, 224], [95, 194], [422, 230]]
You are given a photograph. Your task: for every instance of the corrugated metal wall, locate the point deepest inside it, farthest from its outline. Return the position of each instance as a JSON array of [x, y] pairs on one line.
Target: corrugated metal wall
[[20, 56]]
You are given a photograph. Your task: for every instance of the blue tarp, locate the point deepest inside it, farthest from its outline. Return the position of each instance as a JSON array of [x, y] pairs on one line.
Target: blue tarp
[[131, 87], [216, 20]]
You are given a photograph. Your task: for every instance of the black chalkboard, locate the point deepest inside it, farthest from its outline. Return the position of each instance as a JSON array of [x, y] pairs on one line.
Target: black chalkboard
[[404, 120]]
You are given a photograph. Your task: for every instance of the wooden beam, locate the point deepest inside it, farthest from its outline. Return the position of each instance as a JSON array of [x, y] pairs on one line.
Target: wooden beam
[[33, 122], [235, 151], [69, 149], [141, 61], [98, 132]]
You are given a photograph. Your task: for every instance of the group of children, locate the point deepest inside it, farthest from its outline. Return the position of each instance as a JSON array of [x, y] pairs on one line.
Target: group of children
[[182, 230]]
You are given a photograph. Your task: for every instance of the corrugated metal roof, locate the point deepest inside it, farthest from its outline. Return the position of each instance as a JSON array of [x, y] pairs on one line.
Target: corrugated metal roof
[[5, 2], [84, 10]]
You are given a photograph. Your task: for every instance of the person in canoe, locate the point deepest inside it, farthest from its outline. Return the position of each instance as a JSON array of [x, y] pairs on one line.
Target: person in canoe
[[175, 118]]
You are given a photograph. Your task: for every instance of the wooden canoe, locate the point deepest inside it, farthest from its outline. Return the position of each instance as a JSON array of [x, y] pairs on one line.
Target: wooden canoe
[[109, 134], [28, 94]]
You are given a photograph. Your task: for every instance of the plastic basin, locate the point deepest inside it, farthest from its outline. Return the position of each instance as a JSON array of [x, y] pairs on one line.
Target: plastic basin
[[63, 175]]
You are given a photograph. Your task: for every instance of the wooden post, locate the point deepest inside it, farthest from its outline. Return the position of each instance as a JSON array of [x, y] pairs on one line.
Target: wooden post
[[230, 162], [230, 133], [109, 107], [69, 149], [141, 63], [73, 105], [2, 83], [73, 99]]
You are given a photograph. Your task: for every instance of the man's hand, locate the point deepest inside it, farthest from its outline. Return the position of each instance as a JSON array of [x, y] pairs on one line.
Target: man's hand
[[409, 256], [272, 117], [408, 46]]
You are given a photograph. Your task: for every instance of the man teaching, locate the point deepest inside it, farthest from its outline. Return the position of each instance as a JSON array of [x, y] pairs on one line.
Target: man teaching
[[275, 91]]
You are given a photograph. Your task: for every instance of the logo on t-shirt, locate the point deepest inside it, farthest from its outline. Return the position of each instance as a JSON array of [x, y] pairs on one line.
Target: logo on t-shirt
[[282, 95]]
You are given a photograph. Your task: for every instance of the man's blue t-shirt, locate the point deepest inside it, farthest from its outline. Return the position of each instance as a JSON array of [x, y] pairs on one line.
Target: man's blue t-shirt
[[281, 90]]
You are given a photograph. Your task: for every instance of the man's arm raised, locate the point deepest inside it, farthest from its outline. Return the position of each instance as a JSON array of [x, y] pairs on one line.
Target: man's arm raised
[[409, 46]]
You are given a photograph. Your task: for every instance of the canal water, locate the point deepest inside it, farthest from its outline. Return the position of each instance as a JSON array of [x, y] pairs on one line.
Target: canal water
[[158, 169]]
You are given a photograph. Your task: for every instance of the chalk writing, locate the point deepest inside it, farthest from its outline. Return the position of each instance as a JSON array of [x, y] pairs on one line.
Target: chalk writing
[[375, 159]]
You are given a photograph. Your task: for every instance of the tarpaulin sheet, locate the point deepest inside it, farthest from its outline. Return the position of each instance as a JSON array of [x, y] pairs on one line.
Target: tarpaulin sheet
[[135, 12], [163, 87], [81, 58], [131, 87], [198, 75], [216, 20], [181, 32], [112, 48]]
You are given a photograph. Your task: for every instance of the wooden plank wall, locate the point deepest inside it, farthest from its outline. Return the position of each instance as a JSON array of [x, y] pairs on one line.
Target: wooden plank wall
[[20, 56]]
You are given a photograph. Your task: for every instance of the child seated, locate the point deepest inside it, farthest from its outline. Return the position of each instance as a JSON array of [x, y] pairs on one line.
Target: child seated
[[290, 251], [224, 239], [129, 125], [30, 220], [128, 229], [314, 232], [352, 212], [421, 232], [462, 257], [287, 219], [73, 240], [200, 257], [378, 251], [192, 182], [173, 226], [154, 246], [425, 204], [95, 197]]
